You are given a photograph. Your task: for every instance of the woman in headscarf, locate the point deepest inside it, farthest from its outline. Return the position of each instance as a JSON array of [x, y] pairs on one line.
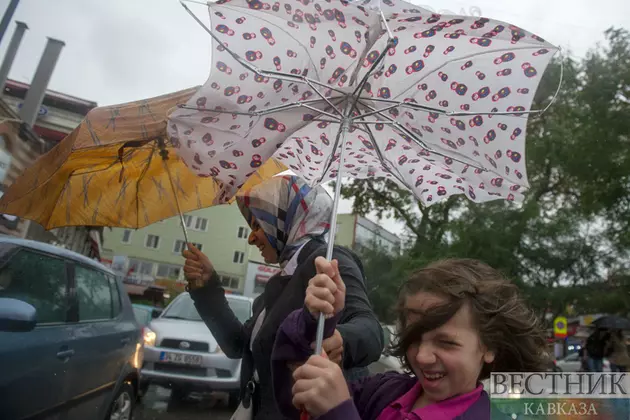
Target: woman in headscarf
[[290, 222]]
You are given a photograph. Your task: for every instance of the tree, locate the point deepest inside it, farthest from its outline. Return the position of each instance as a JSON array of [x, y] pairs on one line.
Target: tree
[[573, 228]]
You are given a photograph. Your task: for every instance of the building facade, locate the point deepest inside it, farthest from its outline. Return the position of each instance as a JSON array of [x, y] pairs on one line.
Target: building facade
[[155, 252], [354, 231], [21, 145]]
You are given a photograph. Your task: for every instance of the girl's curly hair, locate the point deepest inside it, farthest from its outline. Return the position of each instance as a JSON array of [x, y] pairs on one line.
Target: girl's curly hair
[[506, 325]]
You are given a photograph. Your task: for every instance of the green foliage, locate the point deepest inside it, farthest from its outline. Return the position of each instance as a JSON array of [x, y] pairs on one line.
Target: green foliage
[[571, 236]]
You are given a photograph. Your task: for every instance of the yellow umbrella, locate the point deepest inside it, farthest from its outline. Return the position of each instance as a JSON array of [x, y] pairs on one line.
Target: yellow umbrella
[[117, 169]]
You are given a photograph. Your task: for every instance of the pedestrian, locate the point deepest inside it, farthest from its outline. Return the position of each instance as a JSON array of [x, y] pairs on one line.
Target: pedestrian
[[583, 356], [595, 349], [460, 320], [290, 222], [618, 358]]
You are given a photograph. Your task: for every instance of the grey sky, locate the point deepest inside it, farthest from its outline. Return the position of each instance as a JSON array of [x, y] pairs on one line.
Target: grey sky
[[122, 50]]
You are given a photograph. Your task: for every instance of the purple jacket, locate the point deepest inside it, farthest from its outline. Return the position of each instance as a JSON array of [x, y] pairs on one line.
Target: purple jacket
[[370, 396]]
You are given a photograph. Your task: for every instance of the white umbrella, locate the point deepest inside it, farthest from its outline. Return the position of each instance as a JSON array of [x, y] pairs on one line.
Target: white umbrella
[[438, 104]]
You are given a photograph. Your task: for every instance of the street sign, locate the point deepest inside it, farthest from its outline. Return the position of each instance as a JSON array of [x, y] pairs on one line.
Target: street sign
[[560, 327]]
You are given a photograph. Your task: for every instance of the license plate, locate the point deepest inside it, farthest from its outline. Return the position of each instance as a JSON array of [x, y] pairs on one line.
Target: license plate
[[179, 358]]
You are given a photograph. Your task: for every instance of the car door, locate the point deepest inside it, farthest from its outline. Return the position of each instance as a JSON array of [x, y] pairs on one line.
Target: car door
[[104, 342], [33, 364]]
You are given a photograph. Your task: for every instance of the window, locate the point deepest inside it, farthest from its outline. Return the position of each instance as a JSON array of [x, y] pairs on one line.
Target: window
[[115, 296], [38, 280], [126, 239], [146, 267], [238, 257], [243, 232], [168, 271], [93, 294], [134, 265], [152, 241], [229, 282], [201, 224], [181, 245]]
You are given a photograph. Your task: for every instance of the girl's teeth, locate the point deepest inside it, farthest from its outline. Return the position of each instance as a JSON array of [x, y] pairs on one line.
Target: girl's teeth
[[434, 376]]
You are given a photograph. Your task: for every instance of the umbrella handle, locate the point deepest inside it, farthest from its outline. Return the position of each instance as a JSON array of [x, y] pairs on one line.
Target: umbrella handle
[[304, 414]]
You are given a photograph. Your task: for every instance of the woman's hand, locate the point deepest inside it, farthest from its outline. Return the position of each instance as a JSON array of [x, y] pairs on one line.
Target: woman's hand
[[326, 292], [319, 386], [197, 268]]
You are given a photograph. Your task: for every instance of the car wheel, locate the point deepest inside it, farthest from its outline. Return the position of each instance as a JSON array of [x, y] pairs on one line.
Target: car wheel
[[122, 406], [234, 399]]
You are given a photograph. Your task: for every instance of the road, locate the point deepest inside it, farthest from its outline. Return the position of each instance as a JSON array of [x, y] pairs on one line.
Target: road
[[159, 405]]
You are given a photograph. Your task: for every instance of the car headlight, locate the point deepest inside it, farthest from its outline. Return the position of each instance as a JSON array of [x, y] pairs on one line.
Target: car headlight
[[148, 337]]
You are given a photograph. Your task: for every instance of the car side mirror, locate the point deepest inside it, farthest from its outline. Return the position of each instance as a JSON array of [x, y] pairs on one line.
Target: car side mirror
[[156, 313], [17, 315]]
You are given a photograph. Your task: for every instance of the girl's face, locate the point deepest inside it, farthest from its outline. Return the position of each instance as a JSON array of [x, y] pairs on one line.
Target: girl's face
[[448, 360], [259, 239]]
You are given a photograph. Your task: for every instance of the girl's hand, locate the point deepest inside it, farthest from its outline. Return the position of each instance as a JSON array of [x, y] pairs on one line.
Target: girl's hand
[[319, 386], [326, 292], [197, 268]]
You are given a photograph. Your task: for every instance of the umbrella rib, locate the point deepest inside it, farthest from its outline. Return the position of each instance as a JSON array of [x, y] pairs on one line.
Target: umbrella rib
[[359, 89], [411, 105], [324, 98], [253, 113], [260, 72], [382, 159], [421, 143], [322, 112], [462, 59], [257, 16], [144, 171]]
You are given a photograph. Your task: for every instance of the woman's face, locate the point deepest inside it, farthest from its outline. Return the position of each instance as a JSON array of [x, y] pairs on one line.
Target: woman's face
[[448, 360], [259, 239]]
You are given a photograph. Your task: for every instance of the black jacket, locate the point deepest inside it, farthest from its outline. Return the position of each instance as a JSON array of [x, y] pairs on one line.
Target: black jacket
[[362, 333]]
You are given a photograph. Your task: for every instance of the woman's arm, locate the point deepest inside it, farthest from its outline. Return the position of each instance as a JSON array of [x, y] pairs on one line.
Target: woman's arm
[[209, 299], [216, 313]]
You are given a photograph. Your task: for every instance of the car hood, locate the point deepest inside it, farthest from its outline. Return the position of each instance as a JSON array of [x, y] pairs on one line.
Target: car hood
[[180, 329]]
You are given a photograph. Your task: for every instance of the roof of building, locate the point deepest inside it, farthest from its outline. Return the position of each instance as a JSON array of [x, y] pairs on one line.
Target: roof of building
[[376, 227], [52, 98], [54, 250]]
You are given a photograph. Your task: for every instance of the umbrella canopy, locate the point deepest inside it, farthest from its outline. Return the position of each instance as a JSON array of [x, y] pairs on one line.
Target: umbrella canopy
[[109, 172], [612, 322], [436, 103]]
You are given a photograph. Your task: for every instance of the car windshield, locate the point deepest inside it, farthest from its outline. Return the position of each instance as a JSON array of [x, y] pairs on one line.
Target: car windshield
[[184, 308]]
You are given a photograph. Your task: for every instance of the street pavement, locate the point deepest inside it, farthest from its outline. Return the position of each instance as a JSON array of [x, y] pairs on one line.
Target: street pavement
[[158, 403]]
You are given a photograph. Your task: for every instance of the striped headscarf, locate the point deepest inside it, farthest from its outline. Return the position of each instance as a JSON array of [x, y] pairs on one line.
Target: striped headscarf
[[289, 211]]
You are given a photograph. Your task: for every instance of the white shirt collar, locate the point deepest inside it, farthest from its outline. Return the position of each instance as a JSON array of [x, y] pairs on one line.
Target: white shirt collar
[[291, 266]]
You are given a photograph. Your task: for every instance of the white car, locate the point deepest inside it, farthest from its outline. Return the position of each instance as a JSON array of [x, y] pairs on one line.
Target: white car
[[572, 363], [181, 353]]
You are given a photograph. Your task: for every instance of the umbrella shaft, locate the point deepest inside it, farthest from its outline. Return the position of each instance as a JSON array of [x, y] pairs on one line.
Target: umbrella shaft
[[179, 210], [345, 128]]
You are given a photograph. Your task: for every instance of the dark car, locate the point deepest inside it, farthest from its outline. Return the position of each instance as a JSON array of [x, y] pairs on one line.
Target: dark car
[[70, 346]]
